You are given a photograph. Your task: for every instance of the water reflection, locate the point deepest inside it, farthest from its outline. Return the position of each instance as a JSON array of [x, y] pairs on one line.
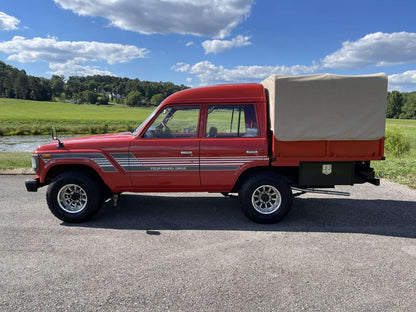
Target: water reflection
[[25, 143]]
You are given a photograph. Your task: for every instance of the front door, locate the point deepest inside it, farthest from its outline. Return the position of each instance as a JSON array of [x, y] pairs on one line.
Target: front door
[[166, 156]]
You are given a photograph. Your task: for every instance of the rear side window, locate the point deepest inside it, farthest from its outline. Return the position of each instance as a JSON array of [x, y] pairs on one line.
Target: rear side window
[[231, 121]]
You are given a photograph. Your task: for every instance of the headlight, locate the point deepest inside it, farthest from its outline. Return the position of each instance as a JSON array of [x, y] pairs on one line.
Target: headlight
[[35, 162]]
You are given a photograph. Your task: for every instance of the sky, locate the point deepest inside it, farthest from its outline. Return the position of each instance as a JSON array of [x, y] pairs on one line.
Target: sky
[[206, 42]]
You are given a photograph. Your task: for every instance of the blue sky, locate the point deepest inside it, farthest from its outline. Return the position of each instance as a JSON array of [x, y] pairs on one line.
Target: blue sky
[[205, 42]]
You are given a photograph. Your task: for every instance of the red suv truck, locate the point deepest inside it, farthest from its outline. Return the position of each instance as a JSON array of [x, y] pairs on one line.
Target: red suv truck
[[261, 141]]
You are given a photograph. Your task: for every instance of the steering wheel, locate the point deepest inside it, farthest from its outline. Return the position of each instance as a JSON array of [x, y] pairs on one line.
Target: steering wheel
[[165, 126], [167, 133]]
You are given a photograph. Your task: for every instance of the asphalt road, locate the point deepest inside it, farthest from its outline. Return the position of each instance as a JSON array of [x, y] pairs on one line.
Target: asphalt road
[[197, 252]]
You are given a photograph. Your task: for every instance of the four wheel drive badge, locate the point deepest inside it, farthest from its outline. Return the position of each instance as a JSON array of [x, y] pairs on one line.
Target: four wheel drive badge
[[327, 169]]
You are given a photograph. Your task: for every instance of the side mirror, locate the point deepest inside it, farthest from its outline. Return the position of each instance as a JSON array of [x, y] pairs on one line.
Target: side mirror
[[55, 138]]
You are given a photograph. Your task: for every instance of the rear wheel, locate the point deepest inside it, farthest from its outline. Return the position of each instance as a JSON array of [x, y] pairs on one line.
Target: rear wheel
[[265, 198], [74, 197]]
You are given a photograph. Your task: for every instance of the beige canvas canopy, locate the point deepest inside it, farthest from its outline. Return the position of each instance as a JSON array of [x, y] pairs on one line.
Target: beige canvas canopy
[[327, 107]]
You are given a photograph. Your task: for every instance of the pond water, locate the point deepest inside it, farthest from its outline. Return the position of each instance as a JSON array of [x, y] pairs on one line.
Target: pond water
[[25, 143]]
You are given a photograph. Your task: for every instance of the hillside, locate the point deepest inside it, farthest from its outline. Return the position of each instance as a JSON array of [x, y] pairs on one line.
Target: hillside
[[15, 83]]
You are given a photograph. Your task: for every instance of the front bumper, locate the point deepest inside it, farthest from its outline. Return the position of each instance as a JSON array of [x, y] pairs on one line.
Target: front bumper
[[32, 185]]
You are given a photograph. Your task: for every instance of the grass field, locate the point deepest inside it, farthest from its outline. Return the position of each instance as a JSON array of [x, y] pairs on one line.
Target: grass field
[[31, 117], [400, 169], [14, 160], [19, 117]]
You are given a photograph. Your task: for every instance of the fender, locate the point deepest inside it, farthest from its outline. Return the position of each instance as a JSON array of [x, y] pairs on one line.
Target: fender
[[96, 160]]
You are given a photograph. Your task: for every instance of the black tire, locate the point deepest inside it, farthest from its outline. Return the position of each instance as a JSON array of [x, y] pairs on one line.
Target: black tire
[[74, 197], [265, 198]]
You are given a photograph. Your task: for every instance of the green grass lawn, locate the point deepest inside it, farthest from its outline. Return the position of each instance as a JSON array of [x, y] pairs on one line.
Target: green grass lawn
[[13, 160], [32, 117], [400, 169], [407, 126]]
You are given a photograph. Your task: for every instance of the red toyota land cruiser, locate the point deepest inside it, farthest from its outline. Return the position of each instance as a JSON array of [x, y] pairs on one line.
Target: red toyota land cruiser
[[257, 140]]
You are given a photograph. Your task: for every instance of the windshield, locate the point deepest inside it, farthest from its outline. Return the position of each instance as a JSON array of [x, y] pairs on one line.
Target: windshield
[[146, 120]]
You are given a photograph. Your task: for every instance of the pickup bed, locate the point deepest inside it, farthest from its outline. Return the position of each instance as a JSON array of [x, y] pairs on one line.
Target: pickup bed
[[257, 140]]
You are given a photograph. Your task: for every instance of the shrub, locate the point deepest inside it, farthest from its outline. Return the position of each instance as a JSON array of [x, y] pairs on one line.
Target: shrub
[[396, 142], [134, 98]]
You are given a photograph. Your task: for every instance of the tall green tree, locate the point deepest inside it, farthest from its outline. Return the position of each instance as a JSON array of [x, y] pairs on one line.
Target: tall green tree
[[157, 99], [394, 104], [21, 85], [409, 108], [134, 98], [73, 86], [57, 85]]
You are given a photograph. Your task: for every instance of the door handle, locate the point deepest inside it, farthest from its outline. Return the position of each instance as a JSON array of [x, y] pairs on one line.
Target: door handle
[[186, 153], [252, 152]]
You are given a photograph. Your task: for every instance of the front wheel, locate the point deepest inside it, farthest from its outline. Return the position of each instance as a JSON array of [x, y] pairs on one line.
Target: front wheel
[[265, 198], [74, 197]]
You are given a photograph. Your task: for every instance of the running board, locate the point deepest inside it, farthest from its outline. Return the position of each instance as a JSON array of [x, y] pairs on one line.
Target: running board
[[320, 191]]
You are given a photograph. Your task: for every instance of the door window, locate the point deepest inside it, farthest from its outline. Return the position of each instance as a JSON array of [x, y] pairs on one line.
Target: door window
[[228, 121], [175, 122]]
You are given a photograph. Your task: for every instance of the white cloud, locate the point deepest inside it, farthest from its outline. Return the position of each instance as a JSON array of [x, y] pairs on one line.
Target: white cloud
[[69, 54], [51, 50], [202, 18], [8, 22], [216, 46], [71, 68], [377, 49], [403, 82], [208, 73], [190, 43]]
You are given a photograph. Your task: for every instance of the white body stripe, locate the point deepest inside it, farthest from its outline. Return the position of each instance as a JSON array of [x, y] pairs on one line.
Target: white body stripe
[[98, 158], [130, 163]]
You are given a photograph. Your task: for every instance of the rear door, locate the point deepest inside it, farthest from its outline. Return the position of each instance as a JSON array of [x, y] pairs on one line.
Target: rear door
[[231, 144]]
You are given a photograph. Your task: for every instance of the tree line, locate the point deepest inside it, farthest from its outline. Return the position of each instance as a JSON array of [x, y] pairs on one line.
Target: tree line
[[401, 105], [97, 89]]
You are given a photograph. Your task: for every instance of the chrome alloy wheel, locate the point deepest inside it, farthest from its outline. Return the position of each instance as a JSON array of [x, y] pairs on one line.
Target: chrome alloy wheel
[[72, 198], [266, 199]]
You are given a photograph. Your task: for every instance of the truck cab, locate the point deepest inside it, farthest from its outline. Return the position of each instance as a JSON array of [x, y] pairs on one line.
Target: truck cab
[[200, 142]]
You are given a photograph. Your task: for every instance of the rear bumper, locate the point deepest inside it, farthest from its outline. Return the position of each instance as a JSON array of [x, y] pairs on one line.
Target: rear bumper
[[32, 185]]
